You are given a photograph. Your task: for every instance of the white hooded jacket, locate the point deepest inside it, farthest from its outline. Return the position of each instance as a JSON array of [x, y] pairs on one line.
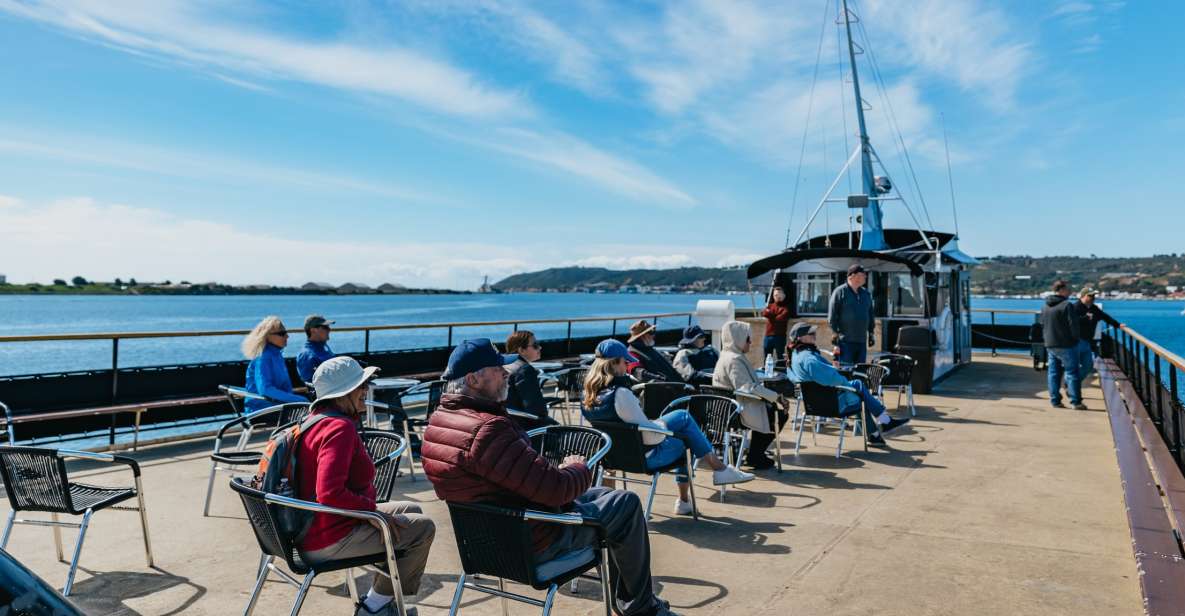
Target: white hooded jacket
[[734, 372]]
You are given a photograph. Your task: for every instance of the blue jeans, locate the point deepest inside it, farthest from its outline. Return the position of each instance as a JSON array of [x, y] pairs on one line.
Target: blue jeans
[[670, 450], [872, 407], [852, 352], [1063, 363], [1085, 360], [775, 345]]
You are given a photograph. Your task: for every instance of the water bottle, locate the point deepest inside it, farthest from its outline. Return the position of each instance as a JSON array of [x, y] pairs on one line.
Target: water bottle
[[769, 364]]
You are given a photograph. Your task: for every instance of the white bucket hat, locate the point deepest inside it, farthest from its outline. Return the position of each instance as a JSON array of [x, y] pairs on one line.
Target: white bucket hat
[[339, 376]]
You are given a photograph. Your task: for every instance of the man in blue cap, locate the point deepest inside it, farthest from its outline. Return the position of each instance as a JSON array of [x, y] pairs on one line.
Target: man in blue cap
[[474, 453], [696, 358]]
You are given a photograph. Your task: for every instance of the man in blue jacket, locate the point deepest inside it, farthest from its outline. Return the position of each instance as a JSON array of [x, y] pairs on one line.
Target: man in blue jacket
[[852, 318], [808, 365], [316, 347]]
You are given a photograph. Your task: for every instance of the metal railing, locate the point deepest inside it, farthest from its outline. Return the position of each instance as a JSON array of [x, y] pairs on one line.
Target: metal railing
[[1155, 374], [994, 336]]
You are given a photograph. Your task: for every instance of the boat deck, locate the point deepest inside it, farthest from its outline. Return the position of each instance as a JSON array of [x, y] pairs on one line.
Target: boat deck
[[990, 503]]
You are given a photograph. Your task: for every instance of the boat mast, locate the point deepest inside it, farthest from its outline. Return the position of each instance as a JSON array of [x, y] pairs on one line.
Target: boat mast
[[872, 235]]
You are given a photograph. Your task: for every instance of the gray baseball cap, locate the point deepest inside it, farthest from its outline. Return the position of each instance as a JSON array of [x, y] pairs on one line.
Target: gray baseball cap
[[316, 320]]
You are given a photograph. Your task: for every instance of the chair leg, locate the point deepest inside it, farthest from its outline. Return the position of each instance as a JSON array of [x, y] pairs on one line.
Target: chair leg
[[546, 601], [505, 606], [913, 412], [57, 537], [653, 489], [778, 441], [144, 521], [843, 428], [209, 489], [690, 488], [86, 520], [606, 591], [351, 587], [300, 594], [899, 390], [455, 606], [259, 580], [244, 438], [8, 529], [411, 462], [801, 429]]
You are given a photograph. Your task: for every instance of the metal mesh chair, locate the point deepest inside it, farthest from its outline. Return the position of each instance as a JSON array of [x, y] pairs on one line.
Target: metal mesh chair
[[235, 460], [434, 390], [628, 455], [558, 442], [35, 479], [820, 404], [9, 429], [873, 376], [385, 448], [719, 419], [900, 377], [263, 512], [656, 396], [724, 392], [570, 385]]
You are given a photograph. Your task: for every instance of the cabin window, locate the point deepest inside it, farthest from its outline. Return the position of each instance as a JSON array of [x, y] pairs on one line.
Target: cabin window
[[814, 291], [905, 295]]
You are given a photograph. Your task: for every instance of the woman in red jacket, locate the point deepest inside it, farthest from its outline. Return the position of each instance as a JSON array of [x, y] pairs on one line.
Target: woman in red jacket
[[777, 317], [335, 470]]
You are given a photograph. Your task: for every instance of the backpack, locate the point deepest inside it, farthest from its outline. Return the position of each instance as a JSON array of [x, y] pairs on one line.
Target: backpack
[[277, 474]]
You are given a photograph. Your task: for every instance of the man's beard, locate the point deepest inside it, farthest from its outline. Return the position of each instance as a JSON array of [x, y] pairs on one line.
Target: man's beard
[[504, 392]]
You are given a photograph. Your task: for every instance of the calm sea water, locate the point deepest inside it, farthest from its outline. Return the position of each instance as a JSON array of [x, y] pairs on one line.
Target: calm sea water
[[1160, 321]]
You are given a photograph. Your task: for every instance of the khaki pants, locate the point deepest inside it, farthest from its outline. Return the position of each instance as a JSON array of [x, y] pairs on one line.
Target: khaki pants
[[413, 541]]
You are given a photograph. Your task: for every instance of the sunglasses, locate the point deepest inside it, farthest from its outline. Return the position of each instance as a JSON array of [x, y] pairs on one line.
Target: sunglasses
[[279, 333], [535, 345], [324, 327]]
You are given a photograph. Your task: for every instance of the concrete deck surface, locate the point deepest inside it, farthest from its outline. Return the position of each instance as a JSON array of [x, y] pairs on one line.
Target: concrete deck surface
[[991, 503]]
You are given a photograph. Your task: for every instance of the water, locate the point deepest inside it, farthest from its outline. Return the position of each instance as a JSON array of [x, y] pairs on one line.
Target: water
[[46, 314], [31, 314]]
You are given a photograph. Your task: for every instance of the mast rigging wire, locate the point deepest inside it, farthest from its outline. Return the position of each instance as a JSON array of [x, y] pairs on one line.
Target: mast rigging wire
[[950, 177]]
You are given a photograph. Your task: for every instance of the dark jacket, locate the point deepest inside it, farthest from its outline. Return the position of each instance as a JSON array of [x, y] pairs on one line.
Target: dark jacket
[[525, 393], [1060, 323], [850, 313], [473, 452], [652, 365], [1088, 319]]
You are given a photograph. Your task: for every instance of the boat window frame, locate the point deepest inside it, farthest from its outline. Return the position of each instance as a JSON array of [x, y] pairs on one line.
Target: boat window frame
[[802, 285]]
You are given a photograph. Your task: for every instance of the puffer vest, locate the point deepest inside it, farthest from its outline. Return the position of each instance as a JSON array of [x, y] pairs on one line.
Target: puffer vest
[[604, 406]]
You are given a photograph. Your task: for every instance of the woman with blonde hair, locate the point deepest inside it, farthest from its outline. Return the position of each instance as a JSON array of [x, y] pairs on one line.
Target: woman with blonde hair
[[267, 374], [607, 397]]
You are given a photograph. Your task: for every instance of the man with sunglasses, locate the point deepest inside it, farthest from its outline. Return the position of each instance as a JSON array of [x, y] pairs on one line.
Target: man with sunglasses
[[316, 347]]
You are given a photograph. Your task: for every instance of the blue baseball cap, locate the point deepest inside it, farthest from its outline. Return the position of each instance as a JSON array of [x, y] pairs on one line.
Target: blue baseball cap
[[613, 349], [473, 355]]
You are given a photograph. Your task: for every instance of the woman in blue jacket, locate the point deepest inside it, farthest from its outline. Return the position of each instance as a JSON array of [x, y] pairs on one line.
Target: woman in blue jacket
[[267, 374]]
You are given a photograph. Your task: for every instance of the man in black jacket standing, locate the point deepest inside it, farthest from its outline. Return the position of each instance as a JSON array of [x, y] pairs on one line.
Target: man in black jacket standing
[[1062, 331], [1089, 316]]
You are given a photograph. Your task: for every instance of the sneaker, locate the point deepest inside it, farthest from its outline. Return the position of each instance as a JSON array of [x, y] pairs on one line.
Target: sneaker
[[1079, 407], [876, 441], [1057, 405], [893, 425], [386, 610], [682, 507], [730, 474]]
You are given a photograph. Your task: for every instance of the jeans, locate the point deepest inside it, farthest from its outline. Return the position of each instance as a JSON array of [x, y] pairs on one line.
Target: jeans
[[852, 352], [670, 450], [1063, 363], [775, 345], [620, 514], [872, 407], [1085, 361]]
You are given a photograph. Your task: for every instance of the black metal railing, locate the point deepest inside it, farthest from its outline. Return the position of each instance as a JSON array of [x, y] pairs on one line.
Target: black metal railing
[[1155, 374]]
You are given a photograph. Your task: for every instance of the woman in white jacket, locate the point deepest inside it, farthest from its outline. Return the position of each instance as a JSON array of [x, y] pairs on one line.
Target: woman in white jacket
[[759, 404]]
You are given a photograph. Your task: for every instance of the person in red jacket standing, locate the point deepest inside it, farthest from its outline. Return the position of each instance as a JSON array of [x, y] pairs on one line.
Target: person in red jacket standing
[[473, 452], [777, 318], [335, 470]]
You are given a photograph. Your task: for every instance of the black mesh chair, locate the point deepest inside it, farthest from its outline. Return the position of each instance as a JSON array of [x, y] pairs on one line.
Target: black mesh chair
[[433, 390], [873, 376], [237, 397], [719, 419], [820, 405], [724, 392], [558, 442], [9, 429], [570, 385], [263, 511], [900, 377], [385, 448], [628, 455], [237, 459], [655, 396], [35, 479]]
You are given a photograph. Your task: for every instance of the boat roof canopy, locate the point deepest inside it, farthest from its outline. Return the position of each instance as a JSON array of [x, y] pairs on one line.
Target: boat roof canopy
[[834, 259]]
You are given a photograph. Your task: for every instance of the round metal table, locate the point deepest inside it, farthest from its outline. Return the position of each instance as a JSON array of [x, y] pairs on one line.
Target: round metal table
[[391, 387], [545, 366]]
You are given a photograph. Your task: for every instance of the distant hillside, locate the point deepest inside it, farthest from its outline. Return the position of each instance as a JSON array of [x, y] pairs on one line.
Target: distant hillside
[[1002, 275]]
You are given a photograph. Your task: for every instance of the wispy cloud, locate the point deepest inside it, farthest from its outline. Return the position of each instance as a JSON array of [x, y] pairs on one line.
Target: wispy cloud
[[190, 33]]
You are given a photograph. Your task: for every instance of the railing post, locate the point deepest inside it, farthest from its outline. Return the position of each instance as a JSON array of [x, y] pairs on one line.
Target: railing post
[[366, 343], [614, 334], [689, 315], [516, 327], [994, 334], [450, 335], [1174, 402], [114, 375], [569, 351], [1147, 393], [1156, 389]]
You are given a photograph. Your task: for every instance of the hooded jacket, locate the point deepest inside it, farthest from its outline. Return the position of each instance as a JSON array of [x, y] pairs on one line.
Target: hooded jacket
[[690, 360], [734, 372], [1060, 323]]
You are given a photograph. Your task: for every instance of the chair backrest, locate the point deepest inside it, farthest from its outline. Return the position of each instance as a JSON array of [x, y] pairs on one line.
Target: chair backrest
[[710, 390], [819, 400], [900, 370], [380, 444], [715, 415], [572, 381], [35, 479], [558, 442], [263, 518], [494, 541], [628, 453], [874, 375], [433, 389], [656, 395]]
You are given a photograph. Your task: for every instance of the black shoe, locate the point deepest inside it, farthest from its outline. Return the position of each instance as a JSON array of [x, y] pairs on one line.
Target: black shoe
[[1080, 407], [876, 441], [760, 464], [1057, 405], [893, 425]]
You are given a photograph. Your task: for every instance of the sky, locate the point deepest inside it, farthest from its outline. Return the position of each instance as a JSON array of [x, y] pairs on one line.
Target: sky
[[431, 143]]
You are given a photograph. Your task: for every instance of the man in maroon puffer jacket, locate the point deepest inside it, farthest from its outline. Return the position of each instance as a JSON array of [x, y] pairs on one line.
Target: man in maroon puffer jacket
[[473, 452]]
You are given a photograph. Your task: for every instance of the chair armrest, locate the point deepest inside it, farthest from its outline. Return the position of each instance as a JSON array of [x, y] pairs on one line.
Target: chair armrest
[[661, 431], [375, 518], [676, 403], [520, 414], [846, 388], [570, 519], [376, 404], [101, 457], [394, 454], [240, 392]]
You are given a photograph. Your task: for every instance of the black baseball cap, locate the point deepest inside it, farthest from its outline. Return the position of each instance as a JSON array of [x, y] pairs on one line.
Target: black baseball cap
[[856, 268], [801, 329]]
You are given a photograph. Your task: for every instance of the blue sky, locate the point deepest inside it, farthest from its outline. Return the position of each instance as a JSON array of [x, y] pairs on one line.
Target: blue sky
[[432, 142]]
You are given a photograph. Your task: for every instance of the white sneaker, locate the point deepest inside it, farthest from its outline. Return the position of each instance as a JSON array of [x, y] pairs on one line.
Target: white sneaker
[[730, 474], [682, 507]]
